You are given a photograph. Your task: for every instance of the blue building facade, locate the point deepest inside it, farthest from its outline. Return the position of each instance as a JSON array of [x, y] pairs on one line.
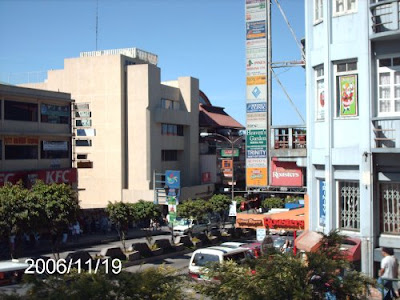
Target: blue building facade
[[353, 122]]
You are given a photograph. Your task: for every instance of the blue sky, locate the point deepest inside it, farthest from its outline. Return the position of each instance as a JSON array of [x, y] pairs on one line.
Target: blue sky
[[200, 38]]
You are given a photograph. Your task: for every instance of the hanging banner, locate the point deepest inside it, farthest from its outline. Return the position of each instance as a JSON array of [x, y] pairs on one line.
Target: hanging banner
[[348, 96], [173, 179], [322, 203]]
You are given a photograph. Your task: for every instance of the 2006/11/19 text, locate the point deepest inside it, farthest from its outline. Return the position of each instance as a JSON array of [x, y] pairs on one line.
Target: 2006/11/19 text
[[61, 266]]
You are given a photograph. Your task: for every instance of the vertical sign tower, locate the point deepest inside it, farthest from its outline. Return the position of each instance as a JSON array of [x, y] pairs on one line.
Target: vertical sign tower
[[257, 92]]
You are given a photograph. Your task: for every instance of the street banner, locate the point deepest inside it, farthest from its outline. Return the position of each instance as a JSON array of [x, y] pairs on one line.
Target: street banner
[[322, 203], [173, 179]]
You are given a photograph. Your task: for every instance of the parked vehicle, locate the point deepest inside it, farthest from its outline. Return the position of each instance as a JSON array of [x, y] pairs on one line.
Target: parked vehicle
[[201, 258], [254, 247], [188, 226], [11, 272]]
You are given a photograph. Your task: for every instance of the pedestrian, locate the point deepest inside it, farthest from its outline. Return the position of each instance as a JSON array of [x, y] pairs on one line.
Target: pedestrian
[[388, 271]]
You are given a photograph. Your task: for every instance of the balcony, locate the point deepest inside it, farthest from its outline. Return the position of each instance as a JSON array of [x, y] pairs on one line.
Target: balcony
[[386, 134], [288, 141], [384, 19]]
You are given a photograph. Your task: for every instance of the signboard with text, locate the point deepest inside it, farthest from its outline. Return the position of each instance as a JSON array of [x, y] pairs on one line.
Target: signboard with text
[[68, 176], [286, 174], [173, 179]]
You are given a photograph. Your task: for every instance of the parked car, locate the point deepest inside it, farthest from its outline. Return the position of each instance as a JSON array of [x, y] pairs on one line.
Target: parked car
[[201, 259], [188, 226], [11, 272], [254, 247]]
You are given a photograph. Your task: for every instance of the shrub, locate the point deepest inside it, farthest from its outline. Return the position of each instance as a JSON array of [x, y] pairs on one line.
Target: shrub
[[273, 202]]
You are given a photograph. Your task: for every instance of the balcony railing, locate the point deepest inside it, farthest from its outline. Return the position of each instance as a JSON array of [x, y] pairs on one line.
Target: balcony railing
[[386, 132], [384, 17], [288, 141]]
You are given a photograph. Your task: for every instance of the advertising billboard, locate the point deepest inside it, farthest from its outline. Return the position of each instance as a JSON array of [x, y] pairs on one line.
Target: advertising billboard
[[256, 138], [173, 179], [256, 177], [68, 176], [286, 174]]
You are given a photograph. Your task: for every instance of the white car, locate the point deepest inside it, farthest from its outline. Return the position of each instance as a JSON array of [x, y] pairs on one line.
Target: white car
[[11, 272], [189, 226], [201, 258]]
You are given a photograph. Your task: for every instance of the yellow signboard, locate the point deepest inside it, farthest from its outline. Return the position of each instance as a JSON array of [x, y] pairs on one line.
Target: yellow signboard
[[256, 177], [259, 79]]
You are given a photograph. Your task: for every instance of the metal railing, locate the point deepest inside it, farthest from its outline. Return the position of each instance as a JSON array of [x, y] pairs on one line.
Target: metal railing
[[385, 16], [289, 137], [385, 132]]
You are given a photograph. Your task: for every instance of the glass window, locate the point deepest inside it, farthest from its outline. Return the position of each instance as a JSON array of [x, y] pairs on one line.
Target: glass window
[[318, 10], [81, 156], [388, 87], [83, 143], [54, 114], [320, 93], [20, 111], [54, 149], [349, 205], [169, 155], [21, 151], [346, 89], [171, 129], [204, 259], [344, 6], [170, 104]]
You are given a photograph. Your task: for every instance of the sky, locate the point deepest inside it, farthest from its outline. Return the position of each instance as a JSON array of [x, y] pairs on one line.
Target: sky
[[204, 39]]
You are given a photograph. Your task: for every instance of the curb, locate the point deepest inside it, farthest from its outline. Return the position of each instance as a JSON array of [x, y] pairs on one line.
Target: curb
[[155, 258]]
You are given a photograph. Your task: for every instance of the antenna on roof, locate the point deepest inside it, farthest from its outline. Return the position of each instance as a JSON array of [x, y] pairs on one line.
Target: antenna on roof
[[97, 20]]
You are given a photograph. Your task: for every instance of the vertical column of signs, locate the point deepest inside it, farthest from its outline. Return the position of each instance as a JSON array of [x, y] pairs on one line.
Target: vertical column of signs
[[256, 93]]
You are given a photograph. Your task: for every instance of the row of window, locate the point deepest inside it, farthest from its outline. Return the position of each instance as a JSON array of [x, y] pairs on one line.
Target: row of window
[[349, 206], [169, 155], [48, 150], [171, 129], [339, 7], [25, 111], [346, 91]]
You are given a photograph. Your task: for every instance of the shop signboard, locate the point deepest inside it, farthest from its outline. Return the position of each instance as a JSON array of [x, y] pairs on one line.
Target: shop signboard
[[173, 179], [68, 176], [258, 43], [255, 5], [86, 132], [256, 177], [256, 93], [256, 80], [257, 107], [256, 162], [256, 15], [83, 123], [255, 30], [228, 152], [322, 203], [256, 66], [256, 153], [286, 174], [83, 114], [252, 53], [256, 138]]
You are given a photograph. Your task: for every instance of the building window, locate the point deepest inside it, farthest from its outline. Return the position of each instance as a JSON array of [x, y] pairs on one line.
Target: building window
[[20, 111], [390, 208], [349, 205], [320, 93], [81, 156], [170, 104], [346, 89], [318, 11], [169, 155], [54, 149], [344, 6], [83, 143], [21, 152], [389, 86], [54, 114], [171, 129]]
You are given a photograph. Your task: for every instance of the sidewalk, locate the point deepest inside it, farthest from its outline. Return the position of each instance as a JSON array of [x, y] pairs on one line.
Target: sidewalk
[[85, 240]]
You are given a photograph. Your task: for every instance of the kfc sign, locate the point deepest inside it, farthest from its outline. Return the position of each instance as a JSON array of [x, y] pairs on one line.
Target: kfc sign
[[47, 176], [286, 174]]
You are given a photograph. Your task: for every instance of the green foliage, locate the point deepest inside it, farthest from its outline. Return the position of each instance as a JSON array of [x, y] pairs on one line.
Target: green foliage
[[273, 202], [194, 209], [220, 203], [146, 210], [161, 284], [121, 214], [239, 199], [284, 277]]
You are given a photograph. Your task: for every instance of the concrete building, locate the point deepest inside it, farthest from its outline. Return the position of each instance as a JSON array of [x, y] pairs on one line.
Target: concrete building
[[35, 136], [353, 122], [129, 125]]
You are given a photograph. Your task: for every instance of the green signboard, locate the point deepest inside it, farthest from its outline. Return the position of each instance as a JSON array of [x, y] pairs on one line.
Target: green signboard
[[228, 152], [256, 138]]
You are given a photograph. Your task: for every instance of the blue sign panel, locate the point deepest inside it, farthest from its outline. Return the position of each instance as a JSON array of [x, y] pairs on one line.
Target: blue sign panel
[[257, 153], [322, 203], [256, 107], [173, 179]]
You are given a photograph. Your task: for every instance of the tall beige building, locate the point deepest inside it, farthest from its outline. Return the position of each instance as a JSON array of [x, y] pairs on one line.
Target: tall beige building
[[128, 124]]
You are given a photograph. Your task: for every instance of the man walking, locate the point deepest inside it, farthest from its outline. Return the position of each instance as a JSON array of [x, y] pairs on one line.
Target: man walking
[[388, 271]]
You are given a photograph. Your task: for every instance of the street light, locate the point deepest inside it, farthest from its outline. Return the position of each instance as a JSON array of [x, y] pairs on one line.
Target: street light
[[232, 142]]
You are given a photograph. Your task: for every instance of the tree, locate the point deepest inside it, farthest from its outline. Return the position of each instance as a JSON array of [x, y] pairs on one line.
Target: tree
[[273, 202], [14, 211], [52, 208], [194, 209], [121, 214], [146, 211], [220, 205]]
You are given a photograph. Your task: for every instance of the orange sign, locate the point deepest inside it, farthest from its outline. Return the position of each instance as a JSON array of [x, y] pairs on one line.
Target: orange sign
[[21, 140], [256, 177]]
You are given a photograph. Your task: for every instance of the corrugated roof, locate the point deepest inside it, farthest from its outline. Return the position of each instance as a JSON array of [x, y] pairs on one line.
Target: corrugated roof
[[214, 116]]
